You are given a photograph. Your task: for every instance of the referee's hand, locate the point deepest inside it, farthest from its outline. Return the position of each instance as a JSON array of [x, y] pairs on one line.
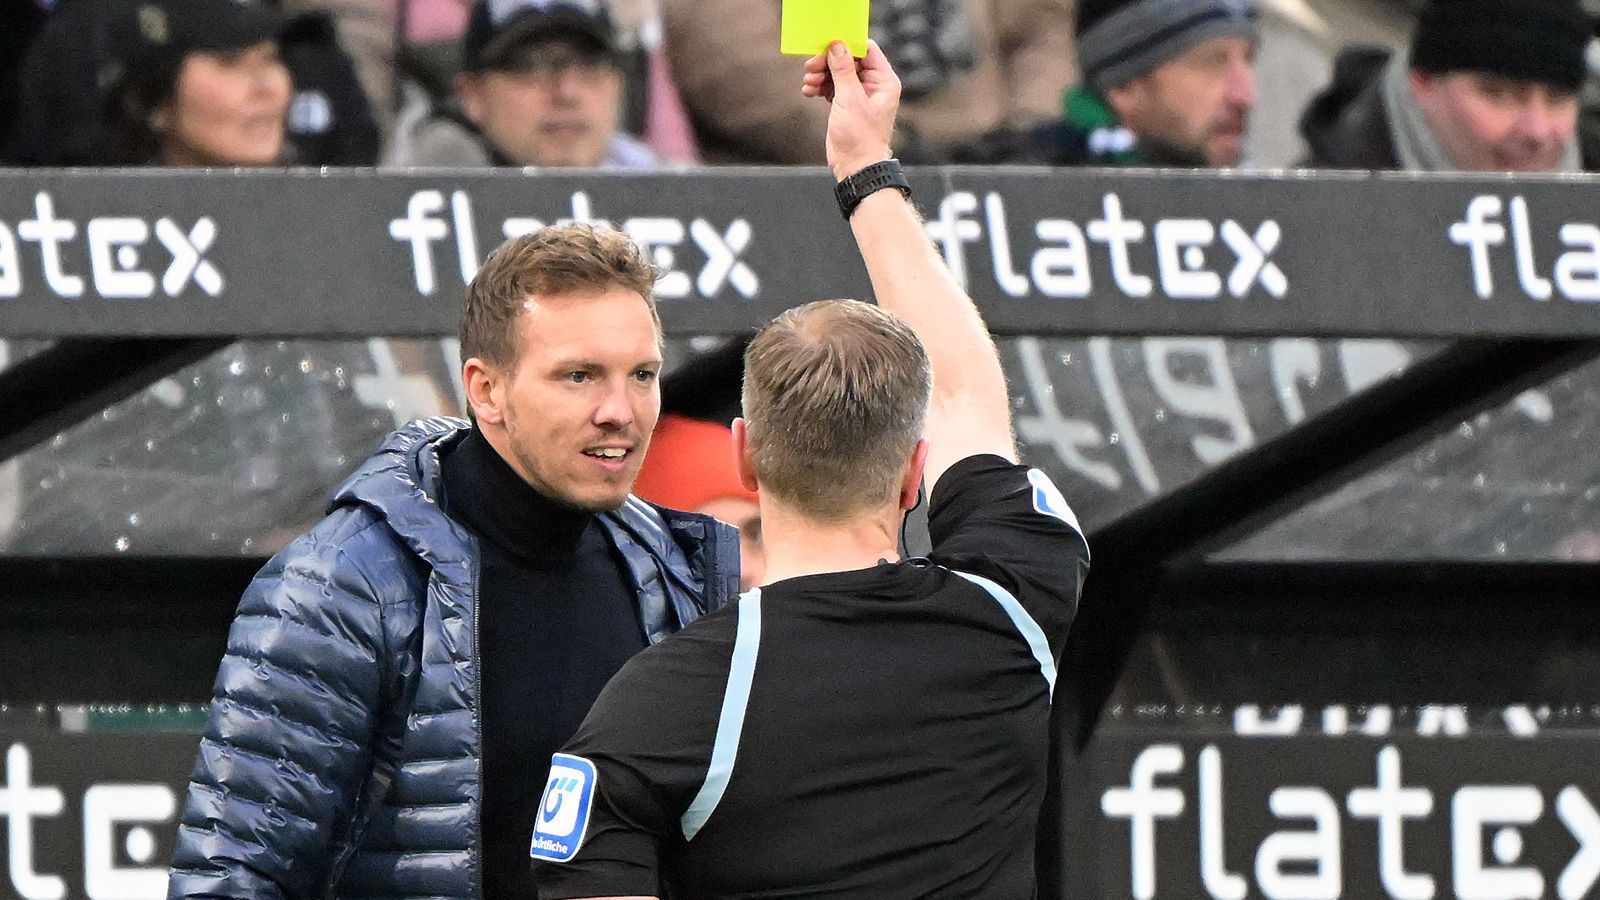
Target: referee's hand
[[865, 95]]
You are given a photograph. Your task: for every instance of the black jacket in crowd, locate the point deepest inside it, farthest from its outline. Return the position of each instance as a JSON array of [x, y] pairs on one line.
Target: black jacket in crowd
[[1347, 126]]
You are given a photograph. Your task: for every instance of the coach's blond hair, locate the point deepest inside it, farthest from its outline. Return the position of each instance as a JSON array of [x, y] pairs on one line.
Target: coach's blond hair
[[550, 262]]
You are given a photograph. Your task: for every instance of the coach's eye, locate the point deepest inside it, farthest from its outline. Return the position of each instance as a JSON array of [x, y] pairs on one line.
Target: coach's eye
[[577, 377], [645, 376]]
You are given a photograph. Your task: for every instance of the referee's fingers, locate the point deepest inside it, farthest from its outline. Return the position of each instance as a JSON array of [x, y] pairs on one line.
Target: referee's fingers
[[842, 66]]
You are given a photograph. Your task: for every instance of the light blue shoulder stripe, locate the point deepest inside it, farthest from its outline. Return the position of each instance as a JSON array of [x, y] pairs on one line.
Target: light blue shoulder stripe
[[1031, 632], [746, 642]]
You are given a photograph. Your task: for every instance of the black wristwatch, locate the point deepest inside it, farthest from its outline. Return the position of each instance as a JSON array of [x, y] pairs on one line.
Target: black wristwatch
[[852, 190]]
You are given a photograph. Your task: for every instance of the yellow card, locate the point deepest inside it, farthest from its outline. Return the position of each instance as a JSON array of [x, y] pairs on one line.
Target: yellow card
[[809, 26]]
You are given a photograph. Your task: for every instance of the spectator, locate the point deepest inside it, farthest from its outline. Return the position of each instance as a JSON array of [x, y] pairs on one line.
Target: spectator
[[332, 119], [192, 83], [542, 86], [972, 66], [425, 41], [690, 467], [1487, 85], [96, 63], [366, 31], [1166, 82], [1178, 75]]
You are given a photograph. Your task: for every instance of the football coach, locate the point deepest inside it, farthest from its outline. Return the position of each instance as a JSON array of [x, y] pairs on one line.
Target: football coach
[[397, 677]]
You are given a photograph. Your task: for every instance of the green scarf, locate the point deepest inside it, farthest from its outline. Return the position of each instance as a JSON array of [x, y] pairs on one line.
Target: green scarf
[[1108, 142]]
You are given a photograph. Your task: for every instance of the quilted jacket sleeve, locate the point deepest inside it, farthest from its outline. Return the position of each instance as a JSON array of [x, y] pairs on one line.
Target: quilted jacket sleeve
[[293, 712]]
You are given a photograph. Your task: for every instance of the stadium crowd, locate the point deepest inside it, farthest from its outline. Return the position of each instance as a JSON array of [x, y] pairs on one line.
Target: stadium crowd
[[640, 84]]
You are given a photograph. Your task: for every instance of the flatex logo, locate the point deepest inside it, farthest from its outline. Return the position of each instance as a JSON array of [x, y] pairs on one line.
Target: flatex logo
[[1195, 259], [123, 262], [107, 812], [1484, 832], [668, 240], [1492, 228]]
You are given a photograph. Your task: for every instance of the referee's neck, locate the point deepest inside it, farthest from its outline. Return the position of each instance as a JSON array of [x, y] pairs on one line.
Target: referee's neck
[[796, 545]]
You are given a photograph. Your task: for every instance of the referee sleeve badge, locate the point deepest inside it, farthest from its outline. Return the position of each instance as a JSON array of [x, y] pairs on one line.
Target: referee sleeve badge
[[563, 818], [1047, 499]]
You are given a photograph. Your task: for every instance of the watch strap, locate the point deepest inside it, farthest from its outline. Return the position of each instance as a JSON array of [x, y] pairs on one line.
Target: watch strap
[[852, 190]]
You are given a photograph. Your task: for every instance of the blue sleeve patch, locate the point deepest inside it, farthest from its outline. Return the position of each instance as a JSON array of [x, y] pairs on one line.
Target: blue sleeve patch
[[1047, 499], [563, 818]]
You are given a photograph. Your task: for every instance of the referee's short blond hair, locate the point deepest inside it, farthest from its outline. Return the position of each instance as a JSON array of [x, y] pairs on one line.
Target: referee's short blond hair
[[835, 398]]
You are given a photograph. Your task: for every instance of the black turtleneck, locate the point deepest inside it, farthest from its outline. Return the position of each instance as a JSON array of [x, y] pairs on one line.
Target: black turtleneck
[[556, 619]]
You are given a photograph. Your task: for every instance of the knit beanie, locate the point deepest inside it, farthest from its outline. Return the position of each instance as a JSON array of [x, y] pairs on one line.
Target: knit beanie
[[1120, 40], [1525, 40]]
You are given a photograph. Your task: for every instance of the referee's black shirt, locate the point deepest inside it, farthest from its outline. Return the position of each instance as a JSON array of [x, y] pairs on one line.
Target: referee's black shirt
[[875, 733]]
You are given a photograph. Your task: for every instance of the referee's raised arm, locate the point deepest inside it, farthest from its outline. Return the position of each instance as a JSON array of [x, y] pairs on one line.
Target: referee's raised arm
[[970, 411]]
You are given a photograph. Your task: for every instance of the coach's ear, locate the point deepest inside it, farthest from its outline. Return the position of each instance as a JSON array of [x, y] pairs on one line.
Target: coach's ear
[[485, 391], [741, 456], [912, 480]]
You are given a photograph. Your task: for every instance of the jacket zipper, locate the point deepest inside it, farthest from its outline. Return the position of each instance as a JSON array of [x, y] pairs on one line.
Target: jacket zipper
[[477, 721]]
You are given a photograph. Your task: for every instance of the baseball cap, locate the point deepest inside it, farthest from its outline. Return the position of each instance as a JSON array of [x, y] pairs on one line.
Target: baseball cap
[[496, 29], [140, 32], [188, 25], [154, 36]]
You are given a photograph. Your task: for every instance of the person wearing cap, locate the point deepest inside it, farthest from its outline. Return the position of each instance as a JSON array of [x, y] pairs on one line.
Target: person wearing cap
[[1165, 83], [1486, 85], [690, 467], [191, 83], [188, 83], [542, 85]]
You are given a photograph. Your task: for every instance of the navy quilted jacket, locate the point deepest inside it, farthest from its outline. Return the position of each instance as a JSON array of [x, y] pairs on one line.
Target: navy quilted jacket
[[341, 758]]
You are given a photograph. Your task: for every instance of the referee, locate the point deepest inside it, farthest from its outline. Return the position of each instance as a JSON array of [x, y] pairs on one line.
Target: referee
[[860, 726]]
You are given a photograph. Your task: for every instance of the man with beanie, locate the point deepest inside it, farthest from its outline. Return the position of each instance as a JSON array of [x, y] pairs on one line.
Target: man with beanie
[[1486, 86], [1165, 83]]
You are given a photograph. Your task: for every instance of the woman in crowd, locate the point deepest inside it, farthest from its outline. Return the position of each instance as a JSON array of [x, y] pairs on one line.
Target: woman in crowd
[[192, 83]]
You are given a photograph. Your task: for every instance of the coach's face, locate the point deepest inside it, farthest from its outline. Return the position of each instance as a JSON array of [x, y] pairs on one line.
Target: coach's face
[[578, 409]]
